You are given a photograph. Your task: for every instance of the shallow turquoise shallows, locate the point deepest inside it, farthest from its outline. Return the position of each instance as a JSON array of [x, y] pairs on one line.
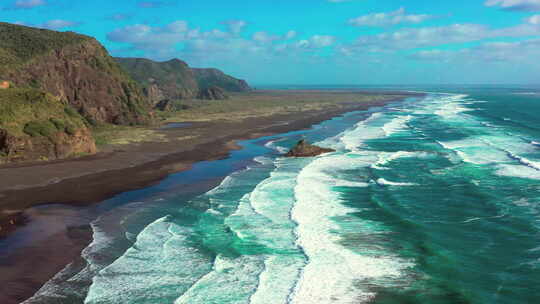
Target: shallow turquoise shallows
[[432, 200]]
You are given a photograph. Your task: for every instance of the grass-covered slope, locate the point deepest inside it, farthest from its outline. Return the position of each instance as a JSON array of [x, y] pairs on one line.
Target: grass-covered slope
[[35, 125], [20, 108]]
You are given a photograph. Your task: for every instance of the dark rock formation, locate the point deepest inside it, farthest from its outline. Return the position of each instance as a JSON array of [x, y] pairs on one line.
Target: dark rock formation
[[303, 149], [212, 93], [207, 78]]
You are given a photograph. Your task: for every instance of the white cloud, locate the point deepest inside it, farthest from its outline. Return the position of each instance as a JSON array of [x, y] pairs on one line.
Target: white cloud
[[515, 5], [534, 20], [235, 26], [411, 38], [25, 4], [387, 19], [290, 34], [316, 42], [56, 24], [320, 41], [178, 39], [151, 4], [521, 51], [265, 37]]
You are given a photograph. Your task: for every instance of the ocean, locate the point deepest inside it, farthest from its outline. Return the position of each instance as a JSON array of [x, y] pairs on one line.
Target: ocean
[[434, 199]]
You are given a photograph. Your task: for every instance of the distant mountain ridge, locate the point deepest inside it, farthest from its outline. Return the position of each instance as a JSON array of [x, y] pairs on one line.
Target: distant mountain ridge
[[207, 78], [174, 80]]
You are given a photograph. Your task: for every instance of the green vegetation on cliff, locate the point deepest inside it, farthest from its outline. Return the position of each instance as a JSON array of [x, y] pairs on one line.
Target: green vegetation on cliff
[[34, 125], [36, 113]]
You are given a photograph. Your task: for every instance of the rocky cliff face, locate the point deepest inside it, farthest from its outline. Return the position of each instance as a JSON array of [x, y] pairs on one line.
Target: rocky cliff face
[[74, 68], [207, 78]]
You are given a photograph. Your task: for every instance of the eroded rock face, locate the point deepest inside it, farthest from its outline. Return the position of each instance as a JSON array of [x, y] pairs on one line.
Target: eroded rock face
[[303, 149]]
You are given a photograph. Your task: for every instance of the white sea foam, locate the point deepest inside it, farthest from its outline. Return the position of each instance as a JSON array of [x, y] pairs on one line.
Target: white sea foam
[[386, 157], [232, 280], [272, 200], [160, 257], [451, 109], [396, 125], [527, 162], [476, 151], [384, 182], [518, 171], [333, 271], [274, 146], [367, 129], [261, 221], [263, 160], [277, 279], [474, 219]]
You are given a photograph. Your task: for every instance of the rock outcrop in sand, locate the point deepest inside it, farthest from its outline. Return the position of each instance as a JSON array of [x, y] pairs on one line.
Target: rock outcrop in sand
[[303, 149]]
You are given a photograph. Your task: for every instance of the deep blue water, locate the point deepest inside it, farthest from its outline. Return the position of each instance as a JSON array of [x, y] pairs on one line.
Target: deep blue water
[[430, 200]]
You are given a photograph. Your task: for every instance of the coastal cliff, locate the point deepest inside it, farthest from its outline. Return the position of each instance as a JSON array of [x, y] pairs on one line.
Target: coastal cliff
[[74, 68], [54, 87]]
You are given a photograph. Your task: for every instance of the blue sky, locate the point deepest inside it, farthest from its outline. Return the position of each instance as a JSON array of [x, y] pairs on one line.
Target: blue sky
[[313, 41]]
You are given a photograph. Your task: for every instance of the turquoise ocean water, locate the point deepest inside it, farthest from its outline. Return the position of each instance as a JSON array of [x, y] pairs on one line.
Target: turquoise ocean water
[[432, 200]]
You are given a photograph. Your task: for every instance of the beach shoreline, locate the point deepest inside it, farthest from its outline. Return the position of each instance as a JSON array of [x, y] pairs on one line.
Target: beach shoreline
[[94, 178], [95, 187]]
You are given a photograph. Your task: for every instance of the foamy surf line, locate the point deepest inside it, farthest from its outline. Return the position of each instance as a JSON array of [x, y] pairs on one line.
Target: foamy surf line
[[332, 270]]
